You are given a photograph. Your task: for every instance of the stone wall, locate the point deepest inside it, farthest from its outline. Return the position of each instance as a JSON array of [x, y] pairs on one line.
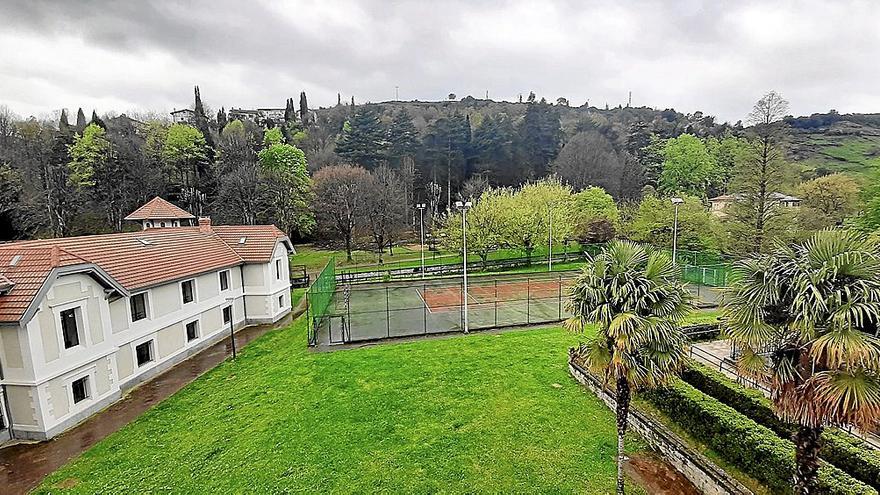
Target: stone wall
[[703, 473]]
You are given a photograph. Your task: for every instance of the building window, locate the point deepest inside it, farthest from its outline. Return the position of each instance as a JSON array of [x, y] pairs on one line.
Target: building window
[[138, 307], [224, 280], [144, 353], [69, 328], [80, 389], [186, 289], [278, 269], [227, 314], [192, 331], [281, 301]]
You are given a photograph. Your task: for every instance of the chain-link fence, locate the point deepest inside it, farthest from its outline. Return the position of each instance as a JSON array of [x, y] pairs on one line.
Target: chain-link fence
[[319, 297], [409, 308]]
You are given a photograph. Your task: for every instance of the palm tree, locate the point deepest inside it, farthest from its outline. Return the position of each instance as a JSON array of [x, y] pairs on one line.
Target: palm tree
[[799, 317], [635, 297]]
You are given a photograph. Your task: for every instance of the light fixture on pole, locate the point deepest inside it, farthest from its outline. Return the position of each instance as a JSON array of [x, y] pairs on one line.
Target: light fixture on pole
[[421, 207], [550, 238], [463, 206], [676, 202]]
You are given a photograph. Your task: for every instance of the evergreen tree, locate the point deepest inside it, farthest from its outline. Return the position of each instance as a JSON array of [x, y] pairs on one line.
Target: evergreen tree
[[221, 118], [97, 120], [289, 112], [303, 109], [338, 99], [201, 121], [80, 120], [448, 149], [403, 137], [540, 137], [363, 139], [493, 151], [63, 124]]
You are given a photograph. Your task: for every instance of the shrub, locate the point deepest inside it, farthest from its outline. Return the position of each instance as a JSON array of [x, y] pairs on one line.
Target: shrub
[[753, 448], [838, 447]]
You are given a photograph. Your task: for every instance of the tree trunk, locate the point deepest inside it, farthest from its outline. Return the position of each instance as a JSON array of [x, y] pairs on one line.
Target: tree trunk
[[806, 442], [623, 400], [348, 248]]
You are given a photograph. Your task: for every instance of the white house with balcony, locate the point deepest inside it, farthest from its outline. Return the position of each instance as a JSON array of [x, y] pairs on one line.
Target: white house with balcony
[[83, 319]]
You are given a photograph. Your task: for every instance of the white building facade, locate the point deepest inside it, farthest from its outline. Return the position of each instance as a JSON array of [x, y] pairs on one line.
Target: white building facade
[[112, 311]]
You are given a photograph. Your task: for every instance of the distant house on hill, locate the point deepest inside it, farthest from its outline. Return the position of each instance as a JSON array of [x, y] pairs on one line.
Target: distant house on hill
[[183, 116], [260, 116], [719, 204]]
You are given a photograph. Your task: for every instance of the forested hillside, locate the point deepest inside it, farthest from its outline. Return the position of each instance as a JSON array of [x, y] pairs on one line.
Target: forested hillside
[[69, 178]]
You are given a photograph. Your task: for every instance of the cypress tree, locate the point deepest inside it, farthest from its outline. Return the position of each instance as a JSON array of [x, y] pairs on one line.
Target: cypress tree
[[221, 118], [201, 120], [303, 109], [80, 120], [338, 99], [97, 120], [63, 124], [289, 112]]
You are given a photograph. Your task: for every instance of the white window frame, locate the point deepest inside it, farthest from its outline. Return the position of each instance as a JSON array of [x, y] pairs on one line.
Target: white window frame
[[82, 326], [147, 302], [198, 322], [89, 375], [228, 280], [278, 269], [281, 302], [195, 291], [154, 352], [231, 315]]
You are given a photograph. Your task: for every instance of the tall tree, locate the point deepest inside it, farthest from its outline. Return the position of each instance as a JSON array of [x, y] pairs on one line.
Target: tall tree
[[589, 159], [363, 139], [201, 123], [688, 168], [828, 201], [637, 300], [540, 136], [385, 208], [809, 308], [304, 115], [242, 188], [289, 111], [80, 120], [493, 150], [339, 202], [403, 137], [184, 151], [289, 184], [762, 170], [448, 150]]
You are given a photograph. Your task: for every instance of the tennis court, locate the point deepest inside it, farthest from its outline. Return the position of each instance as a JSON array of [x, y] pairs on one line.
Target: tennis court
[[342, 313], [364, 312]]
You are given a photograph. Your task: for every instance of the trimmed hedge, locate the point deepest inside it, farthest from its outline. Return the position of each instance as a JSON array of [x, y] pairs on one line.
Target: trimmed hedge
[[753, 448], [838, 447]]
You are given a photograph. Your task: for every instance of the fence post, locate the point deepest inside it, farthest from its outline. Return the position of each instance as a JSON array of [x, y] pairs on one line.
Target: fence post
[[387, 313], [425, 306], [495, 299], [461, 305], [528, 300], [346, 328], [559, 299]]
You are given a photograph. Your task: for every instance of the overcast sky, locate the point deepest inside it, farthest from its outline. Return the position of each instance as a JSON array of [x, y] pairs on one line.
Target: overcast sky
[[718, 57]]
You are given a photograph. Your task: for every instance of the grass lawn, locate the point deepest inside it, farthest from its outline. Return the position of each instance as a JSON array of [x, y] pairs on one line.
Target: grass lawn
[[479, 413]]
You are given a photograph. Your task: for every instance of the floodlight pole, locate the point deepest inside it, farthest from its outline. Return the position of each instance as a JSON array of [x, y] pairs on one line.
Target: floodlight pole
[[421, 207], [676, 202], [550, 238], [464, 207]]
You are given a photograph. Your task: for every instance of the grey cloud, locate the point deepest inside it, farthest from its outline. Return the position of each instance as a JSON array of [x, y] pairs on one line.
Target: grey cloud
[[712, 56]]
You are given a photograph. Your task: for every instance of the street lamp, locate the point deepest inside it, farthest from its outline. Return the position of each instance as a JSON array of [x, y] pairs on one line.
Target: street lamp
[[464, 208], [676, 202], [421, 207], [550, 238]]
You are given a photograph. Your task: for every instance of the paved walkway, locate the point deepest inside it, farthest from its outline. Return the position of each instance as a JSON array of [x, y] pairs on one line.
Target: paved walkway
[[24, 465]]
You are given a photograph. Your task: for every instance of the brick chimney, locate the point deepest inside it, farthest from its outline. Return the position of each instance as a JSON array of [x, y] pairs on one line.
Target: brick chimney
[[205, 225]]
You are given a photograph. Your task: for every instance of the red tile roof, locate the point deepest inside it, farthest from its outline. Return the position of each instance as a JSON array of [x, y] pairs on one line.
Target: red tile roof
[[254, 243], [158, 208], [135, 260]]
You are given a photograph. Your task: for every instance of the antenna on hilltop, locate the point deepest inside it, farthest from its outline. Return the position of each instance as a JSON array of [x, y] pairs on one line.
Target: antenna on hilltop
[[630, 100], [396, 93]]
